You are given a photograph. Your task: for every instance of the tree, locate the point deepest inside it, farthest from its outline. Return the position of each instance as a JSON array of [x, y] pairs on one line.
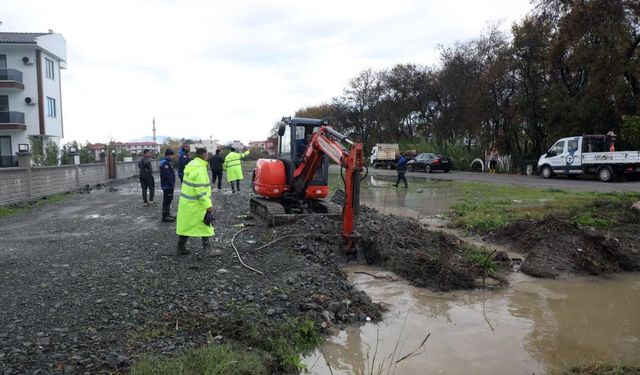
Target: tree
[[322, 111], [86, 154], [37, 149], [65, 158], [52, 153]]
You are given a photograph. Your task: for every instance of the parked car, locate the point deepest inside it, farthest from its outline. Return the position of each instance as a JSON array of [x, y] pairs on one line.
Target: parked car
[[429, 162]]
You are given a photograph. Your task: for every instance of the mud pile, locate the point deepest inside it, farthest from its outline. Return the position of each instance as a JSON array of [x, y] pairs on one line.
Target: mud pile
[[555, 247], [425, 258]]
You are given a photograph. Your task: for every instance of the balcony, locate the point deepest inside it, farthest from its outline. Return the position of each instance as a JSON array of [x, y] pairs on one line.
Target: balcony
[[8, 161], [11, 79], [12, 121]]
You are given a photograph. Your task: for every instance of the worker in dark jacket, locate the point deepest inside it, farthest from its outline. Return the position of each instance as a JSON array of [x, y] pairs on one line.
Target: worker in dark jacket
[[215, 163], [401, 168], [184, 159], [168, 183], [146, 177]]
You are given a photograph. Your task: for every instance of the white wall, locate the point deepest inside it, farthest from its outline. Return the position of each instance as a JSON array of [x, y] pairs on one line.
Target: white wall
[[51, 89], [16, 97]]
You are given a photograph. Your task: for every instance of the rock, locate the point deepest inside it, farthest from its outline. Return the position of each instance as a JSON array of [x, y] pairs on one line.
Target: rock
[[636, 206], [271, 312], [43, 341], [328, 315], [334, 307], [310, 306], [501, 256], [222, 270]]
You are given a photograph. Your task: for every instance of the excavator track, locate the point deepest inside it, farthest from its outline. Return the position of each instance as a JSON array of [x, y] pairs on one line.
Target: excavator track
[[274, 213]]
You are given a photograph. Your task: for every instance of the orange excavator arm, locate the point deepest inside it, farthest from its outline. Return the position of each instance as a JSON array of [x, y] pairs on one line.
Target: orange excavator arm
[[326, 141]]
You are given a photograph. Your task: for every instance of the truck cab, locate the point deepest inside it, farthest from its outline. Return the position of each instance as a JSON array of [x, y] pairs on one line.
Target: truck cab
[[564, 157]]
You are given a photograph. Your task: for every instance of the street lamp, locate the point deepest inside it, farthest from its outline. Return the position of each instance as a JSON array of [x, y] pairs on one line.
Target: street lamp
[[23, 147]]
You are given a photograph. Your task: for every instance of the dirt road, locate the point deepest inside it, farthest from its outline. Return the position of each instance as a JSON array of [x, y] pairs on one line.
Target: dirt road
[[580, 184], [89, 284]]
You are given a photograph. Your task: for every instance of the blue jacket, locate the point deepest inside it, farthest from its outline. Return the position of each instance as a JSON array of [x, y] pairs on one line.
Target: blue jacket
[[183, 161], [401, 165], [167, 175]]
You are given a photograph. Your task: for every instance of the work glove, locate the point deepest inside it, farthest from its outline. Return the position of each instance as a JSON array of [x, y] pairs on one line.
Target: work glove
[[208, 218]]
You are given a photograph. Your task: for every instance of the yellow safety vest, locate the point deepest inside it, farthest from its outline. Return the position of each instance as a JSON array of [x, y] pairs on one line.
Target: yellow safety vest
[[195, 199], [233, 165]]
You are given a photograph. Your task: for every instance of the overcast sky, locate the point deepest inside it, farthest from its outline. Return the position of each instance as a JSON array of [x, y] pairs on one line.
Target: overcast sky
[[231, 69]]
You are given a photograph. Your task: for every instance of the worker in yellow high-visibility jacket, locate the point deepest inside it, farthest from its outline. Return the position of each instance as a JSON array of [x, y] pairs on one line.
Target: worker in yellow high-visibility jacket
[[195, 217], [233, 167]]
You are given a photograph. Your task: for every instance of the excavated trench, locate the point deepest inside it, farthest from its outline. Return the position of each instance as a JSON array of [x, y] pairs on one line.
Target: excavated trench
[[533, 325]]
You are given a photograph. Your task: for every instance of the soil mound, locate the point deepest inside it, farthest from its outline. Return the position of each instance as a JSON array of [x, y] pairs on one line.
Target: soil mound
[[556, 247], [425, 258]]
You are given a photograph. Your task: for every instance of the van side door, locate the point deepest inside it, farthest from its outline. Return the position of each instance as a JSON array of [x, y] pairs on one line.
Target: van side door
[[573, 156]]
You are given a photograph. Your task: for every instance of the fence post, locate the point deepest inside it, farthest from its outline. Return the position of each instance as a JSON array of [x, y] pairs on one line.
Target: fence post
[[106, 167], [77, 175], [24, 161]]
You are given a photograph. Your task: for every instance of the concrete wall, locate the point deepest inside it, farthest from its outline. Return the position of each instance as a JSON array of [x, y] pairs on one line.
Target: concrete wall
[[13, 185], [25, 184]]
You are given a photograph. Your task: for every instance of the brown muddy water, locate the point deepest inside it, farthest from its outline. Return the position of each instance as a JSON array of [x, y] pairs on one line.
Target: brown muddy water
[[533, 327], [422, 204]]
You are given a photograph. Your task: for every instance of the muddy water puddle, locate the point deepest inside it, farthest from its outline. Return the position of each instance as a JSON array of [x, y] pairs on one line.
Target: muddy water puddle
[[423, 204], [533, 327]]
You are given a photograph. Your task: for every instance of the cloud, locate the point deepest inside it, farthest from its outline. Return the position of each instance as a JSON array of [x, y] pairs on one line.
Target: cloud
[[231, 69]]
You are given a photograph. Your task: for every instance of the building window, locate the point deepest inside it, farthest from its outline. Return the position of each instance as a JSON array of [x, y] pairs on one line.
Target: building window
[[51, 107], [50, 67], [4, 103]]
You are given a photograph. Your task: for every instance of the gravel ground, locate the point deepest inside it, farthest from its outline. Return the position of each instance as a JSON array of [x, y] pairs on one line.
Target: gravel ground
[[89, 284]]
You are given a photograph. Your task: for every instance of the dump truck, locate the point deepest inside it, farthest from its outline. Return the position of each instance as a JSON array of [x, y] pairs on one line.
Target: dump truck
[[384, 155]]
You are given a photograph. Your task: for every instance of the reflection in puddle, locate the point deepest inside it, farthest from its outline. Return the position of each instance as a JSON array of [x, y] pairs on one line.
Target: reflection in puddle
[[420, 203], [533, 327]]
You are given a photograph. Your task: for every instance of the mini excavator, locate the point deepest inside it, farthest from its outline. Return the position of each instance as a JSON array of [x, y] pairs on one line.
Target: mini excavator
[[295, 183]]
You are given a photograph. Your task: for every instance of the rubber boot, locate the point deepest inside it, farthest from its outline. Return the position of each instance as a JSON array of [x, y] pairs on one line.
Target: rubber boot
[[182, 245], [206, 245], [165, 215]]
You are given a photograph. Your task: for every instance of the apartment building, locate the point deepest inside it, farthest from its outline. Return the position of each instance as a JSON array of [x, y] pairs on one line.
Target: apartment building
[[30, 90]]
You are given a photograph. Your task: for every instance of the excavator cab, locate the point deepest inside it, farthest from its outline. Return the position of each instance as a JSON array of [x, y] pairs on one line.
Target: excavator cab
[[294, 137]]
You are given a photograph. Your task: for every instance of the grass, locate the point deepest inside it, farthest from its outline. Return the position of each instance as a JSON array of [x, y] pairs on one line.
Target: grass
[[603, 368], [209, 360], [482, 207], [15, 209], [274, 347]]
